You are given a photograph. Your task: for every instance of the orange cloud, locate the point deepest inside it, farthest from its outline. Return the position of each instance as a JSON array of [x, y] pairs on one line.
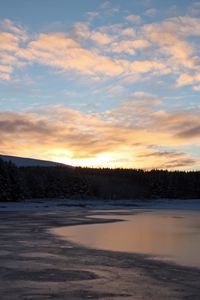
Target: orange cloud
[[101, 38], [11, 35], [126, 132], [128, 46], [171, 37], [164, 47], [60, 51], [187, 79]]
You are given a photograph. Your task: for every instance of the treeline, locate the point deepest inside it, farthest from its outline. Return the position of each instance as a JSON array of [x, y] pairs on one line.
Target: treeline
[[18, 183]]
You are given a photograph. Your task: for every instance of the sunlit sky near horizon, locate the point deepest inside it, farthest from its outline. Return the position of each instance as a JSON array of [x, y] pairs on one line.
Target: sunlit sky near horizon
[[101, 83]]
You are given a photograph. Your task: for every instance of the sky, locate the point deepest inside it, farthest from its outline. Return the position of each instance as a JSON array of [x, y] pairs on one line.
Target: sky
[[101, 83]]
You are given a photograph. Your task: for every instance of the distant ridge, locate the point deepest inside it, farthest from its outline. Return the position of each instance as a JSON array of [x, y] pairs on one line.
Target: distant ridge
[[30, 162]]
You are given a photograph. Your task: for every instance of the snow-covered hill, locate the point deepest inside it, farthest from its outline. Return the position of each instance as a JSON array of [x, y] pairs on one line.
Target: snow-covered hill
[[29, 162]]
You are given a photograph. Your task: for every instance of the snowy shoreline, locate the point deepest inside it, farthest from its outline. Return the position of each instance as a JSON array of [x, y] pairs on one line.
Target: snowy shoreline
[[69, 204]]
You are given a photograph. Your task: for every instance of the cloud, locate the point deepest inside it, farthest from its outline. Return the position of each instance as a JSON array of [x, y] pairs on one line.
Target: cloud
[[179, 164], [126, 131], [177, 122], [5, 76], [15, 29], [11, 36], [180, 26], [80, 30], [193, 131], [159, 49], [196, 4], [196, 88], [180, 55], [128, 32], [116, 54], [151, 12], [133, 18], [144, 117], [13, 123], [169, 159], [62, 52], [128, 46], [92, 15], [185, 79], [144, 95], [179, 51], [168, 154], [188, 79], [101, 38], [82, 135], [144, 66]]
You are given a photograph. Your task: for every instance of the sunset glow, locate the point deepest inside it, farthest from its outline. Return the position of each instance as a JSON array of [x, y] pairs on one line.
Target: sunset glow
[[101, 84]]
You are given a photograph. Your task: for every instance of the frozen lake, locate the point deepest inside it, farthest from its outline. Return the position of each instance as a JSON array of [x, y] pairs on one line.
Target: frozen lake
[[172, 235]]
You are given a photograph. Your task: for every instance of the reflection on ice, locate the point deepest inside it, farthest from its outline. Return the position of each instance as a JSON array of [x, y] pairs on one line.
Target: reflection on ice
[[173, 235]]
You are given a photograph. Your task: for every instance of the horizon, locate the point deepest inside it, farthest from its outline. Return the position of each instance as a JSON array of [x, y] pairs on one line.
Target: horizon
[[96, 168], [107, 84]]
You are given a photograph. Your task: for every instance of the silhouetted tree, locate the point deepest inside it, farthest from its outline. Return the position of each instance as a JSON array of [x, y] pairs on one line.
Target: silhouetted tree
[[64, 182]]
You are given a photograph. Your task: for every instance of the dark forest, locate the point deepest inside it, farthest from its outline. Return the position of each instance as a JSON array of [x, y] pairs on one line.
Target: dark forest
[[18, 183]]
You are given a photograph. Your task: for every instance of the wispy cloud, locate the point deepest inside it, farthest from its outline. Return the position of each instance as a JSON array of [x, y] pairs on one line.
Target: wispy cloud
[[163, 48], [111, 57], [11, 36], [133, 18], [127, 130], [151, 12]]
